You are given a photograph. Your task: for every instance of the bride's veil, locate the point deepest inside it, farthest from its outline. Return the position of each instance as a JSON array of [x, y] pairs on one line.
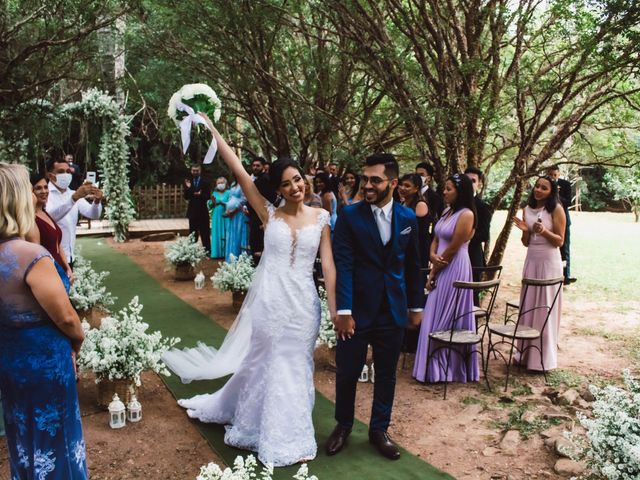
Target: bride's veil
[[203, 362]]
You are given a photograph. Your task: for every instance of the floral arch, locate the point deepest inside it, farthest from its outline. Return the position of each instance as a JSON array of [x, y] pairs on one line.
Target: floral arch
[[113, 157]]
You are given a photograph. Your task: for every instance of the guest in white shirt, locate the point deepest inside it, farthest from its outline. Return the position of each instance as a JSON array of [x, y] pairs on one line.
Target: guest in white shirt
[[65, 205]]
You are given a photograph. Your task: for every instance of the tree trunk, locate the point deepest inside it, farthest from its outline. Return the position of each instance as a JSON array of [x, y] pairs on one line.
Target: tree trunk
[[501, 243]]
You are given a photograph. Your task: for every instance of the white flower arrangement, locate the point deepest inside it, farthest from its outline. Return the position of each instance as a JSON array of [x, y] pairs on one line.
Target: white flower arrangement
[[121, 348], [327, 335], [113, 158], [185, 250], [612, 448], [236, 275], [198, 96], [88, 289], [246, 470]]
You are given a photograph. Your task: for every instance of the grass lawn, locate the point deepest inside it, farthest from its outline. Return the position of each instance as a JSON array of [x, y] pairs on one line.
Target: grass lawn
[[605, 256]]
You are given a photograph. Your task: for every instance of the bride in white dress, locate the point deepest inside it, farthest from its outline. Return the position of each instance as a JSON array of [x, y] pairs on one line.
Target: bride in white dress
[[266, 405]]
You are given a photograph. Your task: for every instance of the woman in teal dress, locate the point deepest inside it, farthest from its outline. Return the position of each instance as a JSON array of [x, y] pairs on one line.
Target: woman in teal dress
[[238, 231], [40, 334], [219, 221]]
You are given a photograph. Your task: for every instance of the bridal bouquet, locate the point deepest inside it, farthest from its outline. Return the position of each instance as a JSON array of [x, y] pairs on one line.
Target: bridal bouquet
[[246, 470], [184, 107], [121, 348], [234, 276]]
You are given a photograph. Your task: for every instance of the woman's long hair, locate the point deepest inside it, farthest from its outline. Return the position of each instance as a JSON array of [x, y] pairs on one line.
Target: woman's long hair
[[356, 186], [465, 198], [552, 202], [326, 180], [416, 181]]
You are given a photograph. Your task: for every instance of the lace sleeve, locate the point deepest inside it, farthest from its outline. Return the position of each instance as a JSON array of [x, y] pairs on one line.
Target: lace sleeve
[[324, 218], [271, 210]]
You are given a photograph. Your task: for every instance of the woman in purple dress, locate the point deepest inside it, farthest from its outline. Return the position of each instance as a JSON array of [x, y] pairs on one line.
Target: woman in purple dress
[[450, 260], [542, 224]]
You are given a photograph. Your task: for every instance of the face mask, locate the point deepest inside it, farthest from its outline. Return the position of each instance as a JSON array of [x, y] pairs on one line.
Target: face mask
[[221, 186], [424, 180], [63, 180]]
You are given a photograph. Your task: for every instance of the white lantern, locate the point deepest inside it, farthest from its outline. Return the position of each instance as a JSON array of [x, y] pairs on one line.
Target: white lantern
[[117, 413], [199, 281], [134, 410]]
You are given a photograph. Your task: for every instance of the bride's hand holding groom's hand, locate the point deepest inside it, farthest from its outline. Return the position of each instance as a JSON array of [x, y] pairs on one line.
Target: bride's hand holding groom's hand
[[345, 326]]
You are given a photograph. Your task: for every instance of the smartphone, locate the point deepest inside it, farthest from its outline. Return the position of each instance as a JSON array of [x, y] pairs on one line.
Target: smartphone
[[91, 177]]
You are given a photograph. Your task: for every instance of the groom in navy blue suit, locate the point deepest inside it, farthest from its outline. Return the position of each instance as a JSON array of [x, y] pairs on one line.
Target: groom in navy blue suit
[[379, 289]]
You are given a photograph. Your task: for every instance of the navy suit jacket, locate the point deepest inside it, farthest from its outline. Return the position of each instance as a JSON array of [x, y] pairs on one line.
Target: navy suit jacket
[[367, 271]]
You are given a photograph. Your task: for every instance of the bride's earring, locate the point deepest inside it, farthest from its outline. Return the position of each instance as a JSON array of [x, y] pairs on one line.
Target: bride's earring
[[278, 200], [364, 375], [372, 375]]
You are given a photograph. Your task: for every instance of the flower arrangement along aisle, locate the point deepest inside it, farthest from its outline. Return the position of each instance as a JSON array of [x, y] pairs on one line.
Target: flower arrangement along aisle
[[88, 294], [183, 109], [121, 349], [327, 335], [612, 447], [185, 253], [235, 277], [246, 470]]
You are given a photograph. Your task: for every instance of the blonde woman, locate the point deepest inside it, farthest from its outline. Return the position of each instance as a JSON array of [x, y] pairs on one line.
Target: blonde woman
[[40, 334]]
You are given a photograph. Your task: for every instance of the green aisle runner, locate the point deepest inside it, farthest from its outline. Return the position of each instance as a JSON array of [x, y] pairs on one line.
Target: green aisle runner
[[168, 313]]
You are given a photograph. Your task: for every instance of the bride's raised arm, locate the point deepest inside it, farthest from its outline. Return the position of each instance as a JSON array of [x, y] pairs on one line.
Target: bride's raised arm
[[256, 200]]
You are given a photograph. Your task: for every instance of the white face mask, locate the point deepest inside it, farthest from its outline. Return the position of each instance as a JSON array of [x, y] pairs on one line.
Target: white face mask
[[424, 180], [221, 186], [63, 180]]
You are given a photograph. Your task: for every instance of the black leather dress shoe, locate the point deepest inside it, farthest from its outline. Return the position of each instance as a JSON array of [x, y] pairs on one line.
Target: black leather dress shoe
[[570, 280], [384, 444], [337, 439]]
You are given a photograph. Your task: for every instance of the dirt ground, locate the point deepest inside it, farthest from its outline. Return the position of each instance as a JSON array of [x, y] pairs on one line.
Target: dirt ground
[[463, 435]]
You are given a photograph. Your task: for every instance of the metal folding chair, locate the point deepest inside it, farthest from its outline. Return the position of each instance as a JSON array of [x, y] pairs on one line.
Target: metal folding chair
[[510, 333], [456, 339]]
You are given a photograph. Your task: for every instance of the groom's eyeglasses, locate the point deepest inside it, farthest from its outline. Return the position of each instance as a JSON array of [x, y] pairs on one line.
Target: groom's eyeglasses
[[375, 181]]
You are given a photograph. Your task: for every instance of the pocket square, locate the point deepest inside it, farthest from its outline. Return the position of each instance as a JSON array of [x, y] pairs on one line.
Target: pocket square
[[406, 231]]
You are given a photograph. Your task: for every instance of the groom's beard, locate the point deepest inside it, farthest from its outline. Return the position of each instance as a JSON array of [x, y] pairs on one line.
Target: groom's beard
[[380, 195]]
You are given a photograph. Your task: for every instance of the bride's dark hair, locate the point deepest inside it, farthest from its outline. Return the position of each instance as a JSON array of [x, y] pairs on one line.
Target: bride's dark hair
[[277, 169]]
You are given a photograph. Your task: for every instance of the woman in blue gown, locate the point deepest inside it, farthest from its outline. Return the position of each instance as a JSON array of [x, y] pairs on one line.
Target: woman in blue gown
[[219, 221], [238, 230], [40, 333]]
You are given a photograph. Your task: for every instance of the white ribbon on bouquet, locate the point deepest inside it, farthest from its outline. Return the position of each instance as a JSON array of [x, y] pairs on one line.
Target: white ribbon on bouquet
[[193, 118]]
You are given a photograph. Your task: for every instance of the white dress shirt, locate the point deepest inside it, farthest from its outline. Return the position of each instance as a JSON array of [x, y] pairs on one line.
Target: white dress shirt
[[65, 212], [383, 218]]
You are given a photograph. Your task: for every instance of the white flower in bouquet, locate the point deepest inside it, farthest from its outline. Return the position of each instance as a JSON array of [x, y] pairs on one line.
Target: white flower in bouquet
[[234, 276], [198, 96], [88, 289], [245, 469], [185, 250], [327, 335], [121, 348]]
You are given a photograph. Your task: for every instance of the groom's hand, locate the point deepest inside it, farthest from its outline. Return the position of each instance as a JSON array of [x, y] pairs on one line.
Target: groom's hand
[[345, 326]]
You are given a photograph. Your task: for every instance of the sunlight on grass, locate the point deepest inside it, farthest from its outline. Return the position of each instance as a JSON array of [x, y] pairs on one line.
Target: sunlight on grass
[[605, 255]]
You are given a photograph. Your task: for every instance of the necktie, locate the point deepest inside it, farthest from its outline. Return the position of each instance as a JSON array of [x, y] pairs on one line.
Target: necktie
[[382, 226]]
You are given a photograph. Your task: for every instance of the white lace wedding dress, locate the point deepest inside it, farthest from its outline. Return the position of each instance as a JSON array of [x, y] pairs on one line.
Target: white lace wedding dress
[[266, 405]]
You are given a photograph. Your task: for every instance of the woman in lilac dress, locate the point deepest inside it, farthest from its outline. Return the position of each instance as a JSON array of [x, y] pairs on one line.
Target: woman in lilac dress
[[450, 259], [542, 228]]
